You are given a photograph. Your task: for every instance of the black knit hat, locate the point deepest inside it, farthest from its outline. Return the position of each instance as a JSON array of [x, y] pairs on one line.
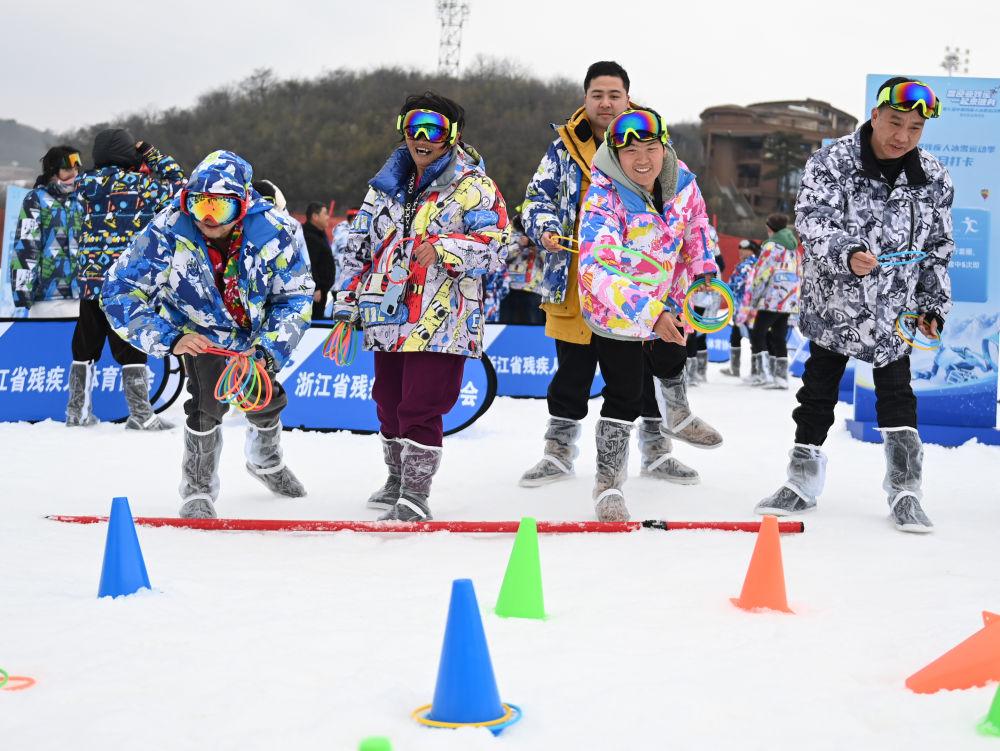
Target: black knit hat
[[55, 159]]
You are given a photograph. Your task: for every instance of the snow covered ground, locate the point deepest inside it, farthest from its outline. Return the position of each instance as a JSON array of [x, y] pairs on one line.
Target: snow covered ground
[[295, 641]]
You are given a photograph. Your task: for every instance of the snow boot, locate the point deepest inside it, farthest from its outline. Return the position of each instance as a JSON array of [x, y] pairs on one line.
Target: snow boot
[[200, 473], [806, 477], [701, 369], [757, 376], [678, 420], [140, 412], [691, 371], [734, 362], [264, 463], [656, 459], [385, 497], [80, 408], [779, 374], [419, 464], [556, 464], [612, 465], [904, 460]]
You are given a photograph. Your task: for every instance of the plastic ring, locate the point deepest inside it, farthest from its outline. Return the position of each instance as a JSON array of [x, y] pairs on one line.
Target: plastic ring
[[926, 345], [904, 258], [3, 677], [17, 683], [662, 276], [512, 713], [708, 325]]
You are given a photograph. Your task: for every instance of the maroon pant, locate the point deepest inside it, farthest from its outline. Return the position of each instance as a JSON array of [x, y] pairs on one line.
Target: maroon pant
[[413, 391]]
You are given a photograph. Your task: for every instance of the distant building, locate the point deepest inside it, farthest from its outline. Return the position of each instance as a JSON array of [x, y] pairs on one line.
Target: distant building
[[737, 164]]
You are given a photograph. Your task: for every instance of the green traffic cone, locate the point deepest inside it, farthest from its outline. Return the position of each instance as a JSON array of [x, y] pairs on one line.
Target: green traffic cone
[[375, 744], [521, 591], [991, 725]]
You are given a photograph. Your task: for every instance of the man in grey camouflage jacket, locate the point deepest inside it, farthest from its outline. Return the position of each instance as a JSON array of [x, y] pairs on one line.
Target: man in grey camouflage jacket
[[867, 195]]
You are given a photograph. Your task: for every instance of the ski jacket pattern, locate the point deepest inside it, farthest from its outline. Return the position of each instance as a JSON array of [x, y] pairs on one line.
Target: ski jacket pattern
[[845, 204], [163, 286], [43, 265], [776, 278]]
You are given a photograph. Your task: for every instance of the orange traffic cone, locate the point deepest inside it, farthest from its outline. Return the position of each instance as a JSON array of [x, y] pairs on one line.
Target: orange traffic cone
[[764, 586], [974, 662]]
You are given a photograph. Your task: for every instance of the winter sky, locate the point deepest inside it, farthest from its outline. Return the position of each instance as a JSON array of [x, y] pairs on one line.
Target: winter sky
[[69, 64]]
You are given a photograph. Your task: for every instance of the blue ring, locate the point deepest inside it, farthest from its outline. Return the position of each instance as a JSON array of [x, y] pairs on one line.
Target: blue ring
[[497, 729]]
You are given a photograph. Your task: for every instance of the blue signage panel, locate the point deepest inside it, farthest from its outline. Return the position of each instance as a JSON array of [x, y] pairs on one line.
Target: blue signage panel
[[525, 360]]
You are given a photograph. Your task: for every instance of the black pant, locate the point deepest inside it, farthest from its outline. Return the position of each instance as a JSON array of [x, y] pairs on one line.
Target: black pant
[[205, 412], [319, 308], [521, 307], [895, 404], [92, 330], [735, 336], [628, 369], [697, 342], [770, 332]]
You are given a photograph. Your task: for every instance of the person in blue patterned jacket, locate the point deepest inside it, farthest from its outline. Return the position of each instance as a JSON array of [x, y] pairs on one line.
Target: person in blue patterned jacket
[[742, 274], [43, 264], [220, 266], [129, 183]]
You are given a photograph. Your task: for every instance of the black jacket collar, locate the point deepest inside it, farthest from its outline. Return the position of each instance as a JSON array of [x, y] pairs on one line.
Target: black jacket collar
[[915, 174], [309, 229]]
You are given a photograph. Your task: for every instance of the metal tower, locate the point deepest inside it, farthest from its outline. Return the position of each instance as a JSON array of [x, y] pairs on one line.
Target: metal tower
[[955, 60], [452, 14]]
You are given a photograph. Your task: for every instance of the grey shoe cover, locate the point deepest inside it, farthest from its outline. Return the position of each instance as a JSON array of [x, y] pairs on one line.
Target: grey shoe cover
[[385, 497], [657, 462], [701, 370], [800, 492], [80, 408], [678, 420], [419, 465], [612, 469], [141, 414], [758, 377], [561, 435], [904, 460], [199, 486], [691, 371], [780, 374], [735, 354], [264, 462]]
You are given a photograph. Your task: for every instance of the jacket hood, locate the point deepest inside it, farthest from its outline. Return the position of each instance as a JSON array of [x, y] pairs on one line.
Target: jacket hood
[[225, 173], [116, 148], [786, 238], [606, 160], [395, 173]]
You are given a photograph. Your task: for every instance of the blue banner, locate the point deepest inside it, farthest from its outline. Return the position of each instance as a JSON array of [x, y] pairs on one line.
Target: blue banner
[[325, 396], [524, 360], [12, 209], [956, 384], [34, 374]]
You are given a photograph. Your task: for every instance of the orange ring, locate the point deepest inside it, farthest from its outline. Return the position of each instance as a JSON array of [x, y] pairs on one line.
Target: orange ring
[[23, 679]]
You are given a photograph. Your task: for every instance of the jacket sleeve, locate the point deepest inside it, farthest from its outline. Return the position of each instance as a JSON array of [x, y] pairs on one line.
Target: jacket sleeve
[[699, 248], [288, 307], [540, 212], [131, 288], [27, 251], [762, 272], [933, 293], [600, 225], [169, 177], [745, 312], [819, 214], [482, 249], [356, 261]]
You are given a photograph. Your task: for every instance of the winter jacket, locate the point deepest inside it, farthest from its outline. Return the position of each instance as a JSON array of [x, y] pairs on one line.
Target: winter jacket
[[618, 212], [118, 202], [341, 234], [552, 204], [43, 265], [522, 263], [739, 282], [775, 283], [320, 257], [403, 306], [164, 286], [845, 204]]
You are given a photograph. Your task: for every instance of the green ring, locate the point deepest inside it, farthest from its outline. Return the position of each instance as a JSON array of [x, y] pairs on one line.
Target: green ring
[[4, 678], [663, 276]]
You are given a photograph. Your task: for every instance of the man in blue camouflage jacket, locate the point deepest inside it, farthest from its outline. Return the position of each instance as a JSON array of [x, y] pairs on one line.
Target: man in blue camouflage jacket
[[868, 195], [197, 277]]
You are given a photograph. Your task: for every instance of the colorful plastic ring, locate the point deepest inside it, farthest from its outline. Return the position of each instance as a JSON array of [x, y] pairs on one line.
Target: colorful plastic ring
[[512, 713], [700, 323], [17, 683], [662, 276], [927, 345]]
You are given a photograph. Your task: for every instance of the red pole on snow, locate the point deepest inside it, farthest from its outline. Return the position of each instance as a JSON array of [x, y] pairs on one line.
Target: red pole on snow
[[497, 527]]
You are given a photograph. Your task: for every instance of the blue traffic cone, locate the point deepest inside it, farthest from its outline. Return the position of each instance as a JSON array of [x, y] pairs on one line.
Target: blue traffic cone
[[466, 691], [124, 571]]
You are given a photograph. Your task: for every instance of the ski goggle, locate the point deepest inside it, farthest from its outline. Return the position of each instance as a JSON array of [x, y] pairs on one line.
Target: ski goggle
[[72, 161], [639, 125], [909, 95], [213, 209], [433, 126]]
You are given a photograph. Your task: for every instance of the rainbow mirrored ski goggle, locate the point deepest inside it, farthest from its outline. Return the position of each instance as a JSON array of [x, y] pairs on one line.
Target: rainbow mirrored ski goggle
[[213, 209], [639, 125], [909, 95], [433, 126]]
